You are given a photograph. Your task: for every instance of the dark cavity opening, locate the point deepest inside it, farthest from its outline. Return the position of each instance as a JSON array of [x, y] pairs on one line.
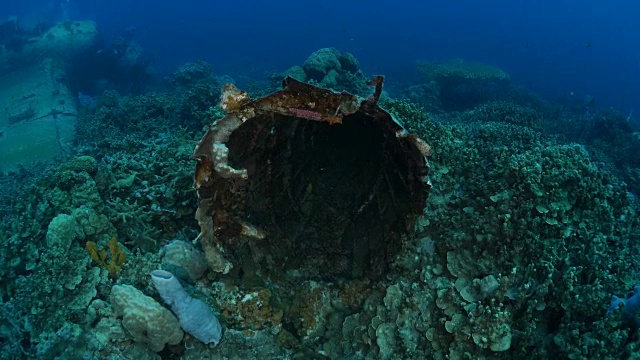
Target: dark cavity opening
[[333, 199]]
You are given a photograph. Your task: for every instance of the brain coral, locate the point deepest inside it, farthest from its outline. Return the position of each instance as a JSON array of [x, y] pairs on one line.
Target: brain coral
[[144, 318]]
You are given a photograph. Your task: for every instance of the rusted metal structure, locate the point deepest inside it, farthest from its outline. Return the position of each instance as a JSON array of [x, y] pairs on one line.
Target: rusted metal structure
[[307, 183]]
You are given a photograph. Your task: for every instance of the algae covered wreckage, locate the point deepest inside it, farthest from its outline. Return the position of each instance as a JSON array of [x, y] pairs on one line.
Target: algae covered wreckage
[[325, 184]]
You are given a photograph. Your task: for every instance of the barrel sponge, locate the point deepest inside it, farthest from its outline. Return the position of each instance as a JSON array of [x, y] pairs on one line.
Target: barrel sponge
[[144, 318], [195, 316]]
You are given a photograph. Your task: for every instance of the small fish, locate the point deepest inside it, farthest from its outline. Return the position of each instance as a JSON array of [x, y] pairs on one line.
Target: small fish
[[587, 44]]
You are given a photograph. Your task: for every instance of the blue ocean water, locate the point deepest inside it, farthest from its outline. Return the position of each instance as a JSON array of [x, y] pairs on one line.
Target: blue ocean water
[[584, 48], [478, 201]]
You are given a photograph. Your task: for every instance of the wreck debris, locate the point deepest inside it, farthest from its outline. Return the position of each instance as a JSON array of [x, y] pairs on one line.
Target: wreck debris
[[307, 182]]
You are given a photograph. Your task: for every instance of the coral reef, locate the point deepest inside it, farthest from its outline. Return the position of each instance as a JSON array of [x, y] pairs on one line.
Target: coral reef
[[135, 187], [505, 112], [528, 231], [328, 68], [461, 69], [463, 84]]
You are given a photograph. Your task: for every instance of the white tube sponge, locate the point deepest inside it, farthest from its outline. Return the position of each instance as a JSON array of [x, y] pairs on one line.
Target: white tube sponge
[[195, 316]]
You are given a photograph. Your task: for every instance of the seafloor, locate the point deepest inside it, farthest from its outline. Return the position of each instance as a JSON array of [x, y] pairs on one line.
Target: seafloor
[[529, 229]]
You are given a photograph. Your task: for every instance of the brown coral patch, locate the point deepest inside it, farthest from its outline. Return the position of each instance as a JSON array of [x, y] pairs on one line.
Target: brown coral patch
[[353, 293], [307, 308], [253, 311]]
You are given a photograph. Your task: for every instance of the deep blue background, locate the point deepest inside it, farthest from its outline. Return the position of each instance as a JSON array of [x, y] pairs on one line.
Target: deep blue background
[[542, 44]]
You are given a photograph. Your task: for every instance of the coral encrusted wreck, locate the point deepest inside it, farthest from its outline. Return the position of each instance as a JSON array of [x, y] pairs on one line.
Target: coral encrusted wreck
[[307, 183]]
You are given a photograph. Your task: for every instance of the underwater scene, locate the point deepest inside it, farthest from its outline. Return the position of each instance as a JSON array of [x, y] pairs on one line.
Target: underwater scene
[[319, 180]]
